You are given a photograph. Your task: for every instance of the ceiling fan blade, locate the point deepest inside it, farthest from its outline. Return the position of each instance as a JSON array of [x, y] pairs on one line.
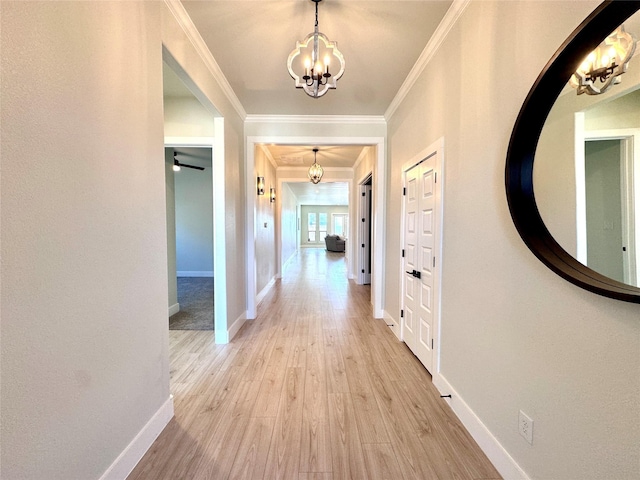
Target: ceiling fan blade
[[191, 166]]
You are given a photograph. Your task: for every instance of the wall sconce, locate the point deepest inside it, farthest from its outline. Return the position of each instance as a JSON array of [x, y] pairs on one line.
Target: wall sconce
[[260, 185], [272, 194]]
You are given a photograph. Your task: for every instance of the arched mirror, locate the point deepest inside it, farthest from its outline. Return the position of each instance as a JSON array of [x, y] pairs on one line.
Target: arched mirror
[[573, 164]]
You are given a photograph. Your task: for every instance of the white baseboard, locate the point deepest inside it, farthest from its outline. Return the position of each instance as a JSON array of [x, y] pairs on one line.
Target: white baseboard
[[130, 456], [291, 257], [173, 309], [265, 290], [225, 336], [504, 463], [392, 323], [195, 273]]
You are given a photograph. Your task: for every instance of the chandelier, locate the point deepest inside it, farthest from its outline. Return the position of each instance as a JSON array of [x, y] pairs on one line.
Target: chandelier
[[605, 64], [317, 79], [315, 170]]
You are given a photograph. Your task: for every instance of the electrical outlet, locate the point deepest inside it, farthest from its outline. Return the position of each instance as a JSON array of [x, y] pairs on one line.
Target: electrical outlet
[[525, 427]]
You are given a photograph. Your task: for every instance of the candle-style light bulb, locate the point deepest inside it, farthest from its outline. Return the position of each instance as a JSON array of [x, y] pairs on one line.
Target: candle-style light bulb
[[327, 60], [307, 65]]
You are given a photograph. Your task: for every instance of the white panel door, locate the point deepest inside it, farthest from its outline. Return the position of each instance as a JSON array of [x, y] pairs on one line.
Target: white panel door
[[419, 274], [411, 251]]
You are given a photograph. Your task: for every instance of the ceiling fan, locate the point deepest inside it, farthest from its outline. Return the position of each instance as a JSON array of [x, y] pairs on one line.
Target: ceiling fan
[[177, 164]]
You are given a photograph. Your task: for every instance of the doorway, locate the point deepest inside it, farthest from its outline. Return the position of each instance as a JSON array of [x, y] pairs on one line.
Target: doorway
[[421, 256], [365, 236], [610, 208], [190, 237], [180, 92]]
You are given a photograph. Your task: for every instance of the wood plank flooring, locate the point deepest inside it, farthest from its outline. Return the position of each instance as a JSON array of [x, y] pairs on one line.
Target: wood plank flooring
[[313, 389]]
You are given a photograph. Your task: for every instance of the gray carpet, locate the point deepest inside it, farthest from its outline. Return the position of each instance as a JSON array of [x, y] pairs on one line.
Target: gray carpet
[[195, 296]]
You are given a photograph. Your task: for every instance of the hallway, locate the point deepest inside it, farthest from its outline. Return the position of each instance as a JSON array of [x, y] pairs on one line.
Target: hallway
[[314, 388]]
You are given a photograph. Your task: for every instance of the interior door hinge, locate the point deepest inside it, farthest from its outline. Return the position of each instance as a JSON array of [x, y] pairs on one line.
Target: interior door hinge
[[403, 253], [432, 344], [401, 313], [435, 177], [404, 191], [434, 262], [364, 194], [363, 270], [363, 220]]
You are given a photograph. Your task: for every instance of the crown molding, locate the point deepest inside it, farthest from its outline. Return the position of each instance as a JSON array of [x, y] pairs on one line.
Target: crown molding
[[317, 119], [363, 154], [184, 21], [267, 153], [448, 21], [306, 169]]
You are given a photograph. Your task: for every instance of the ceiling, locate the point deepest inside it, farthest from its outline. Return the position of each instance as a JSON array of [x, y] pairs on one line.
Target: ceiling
[[380, 41], [324, 193], [251, 41]]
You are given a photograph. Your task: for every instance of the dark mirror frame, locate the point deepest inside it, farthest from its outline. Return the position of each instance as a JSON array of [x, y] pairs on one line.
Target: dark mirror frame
[[524, 140]]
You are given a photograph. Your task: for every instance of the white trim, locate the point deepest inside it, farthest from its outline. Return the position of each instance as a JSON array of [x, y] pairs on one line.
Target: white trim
[[306, 169], [267, 153], [190, 30], [492, 448], [173, 309], [581, 192], [286, 263], [436, 148], [265, 290], [631, 173], [223, 336], [379, 178], [363, 155], [392, 323], [219, 216], [194, 273], [317, 119], [448, 21], [131, 455]]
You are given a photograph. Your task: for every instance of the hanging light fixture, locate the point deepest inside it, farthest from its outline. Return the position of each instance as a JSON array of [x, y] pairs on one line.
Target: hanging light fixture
[[316, 79], [315, 170], [605, 64]]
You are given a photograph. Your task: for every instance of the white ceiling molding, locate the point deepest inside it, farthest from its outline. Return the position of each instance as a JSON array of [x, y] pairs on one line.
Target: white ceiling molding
[[363, 154], [306, 169], [185, 22], [448, 21], [267, 153], [317, 119]]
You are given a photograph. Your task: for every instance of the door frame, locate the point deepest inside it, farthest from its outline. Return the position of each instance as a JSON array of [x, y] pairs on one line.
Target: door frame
[[219, 240], [436, 148], [377, 280], [630, 170], [362, 213]]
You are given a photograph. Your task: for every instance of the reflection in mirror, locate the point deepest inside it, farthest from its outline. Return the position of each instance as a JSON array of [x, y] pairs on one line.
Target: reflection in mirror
[[586, 174]]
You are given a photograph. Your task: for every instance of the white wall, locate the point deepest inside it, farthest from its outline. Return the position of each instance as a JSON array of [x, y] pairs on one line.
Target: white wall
[[514, 335], [289, 222], [84, 248], [265, 246], [84, 357], [194, 222], [186, 117]]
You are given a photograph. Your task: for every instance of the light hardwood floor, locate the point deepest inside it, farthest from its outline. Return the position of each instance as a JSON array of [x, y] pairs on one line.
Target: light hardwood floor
[[313, 389]]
